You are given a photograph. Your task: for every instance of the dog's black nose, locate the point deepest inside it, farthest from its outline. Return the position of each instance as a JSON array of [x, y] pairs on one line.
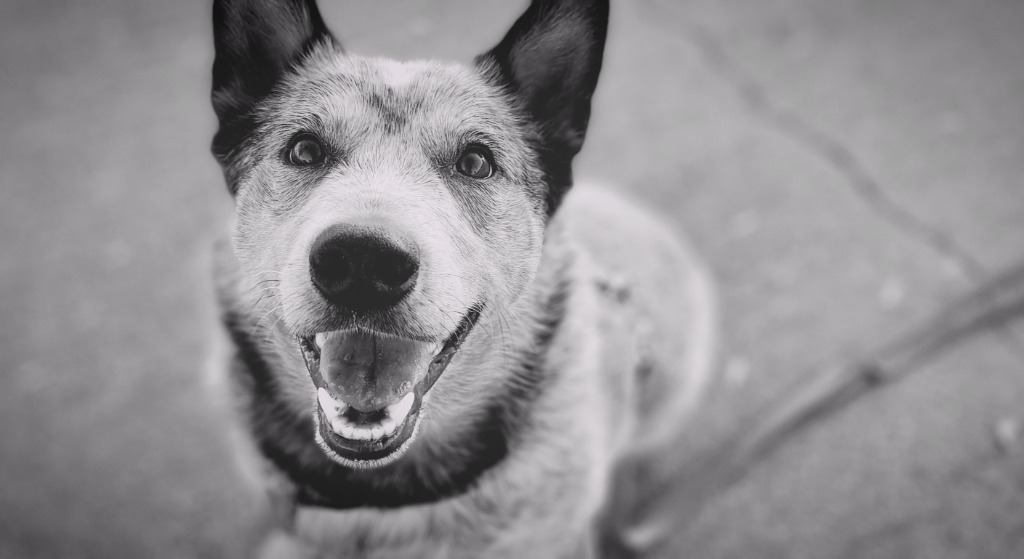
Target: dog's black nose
[[363, 268]]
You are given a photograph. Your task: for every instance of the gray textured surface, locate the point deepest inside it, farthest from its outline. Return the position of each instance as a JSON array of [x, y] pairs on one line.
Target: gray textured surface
[[846, 167]]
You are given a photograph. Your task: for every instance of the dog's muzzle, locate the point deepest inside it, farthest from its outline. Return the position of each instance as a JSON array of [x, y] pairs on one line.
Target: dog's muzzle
[[370, 389]]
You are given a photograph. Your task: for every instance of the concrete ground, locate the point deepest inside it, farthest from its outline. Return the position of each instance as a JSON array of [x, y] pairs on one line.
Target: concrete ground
[[847, 168]]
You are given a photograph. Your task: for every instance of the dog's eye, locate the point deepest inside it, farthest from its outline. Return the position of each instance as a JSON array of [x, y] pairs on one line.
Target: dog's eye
[[474, 163], [305, 150]]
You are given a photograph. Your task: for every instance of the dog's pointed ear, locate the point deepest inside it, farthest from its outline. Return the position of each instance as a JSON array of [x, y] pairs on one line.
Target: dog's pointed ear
[[256, 42], [550, 61]]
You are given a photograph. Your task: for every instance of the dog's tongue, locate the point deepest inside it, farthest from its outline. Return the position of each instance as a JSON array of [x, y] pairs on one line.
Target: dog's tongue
[[369, 371]]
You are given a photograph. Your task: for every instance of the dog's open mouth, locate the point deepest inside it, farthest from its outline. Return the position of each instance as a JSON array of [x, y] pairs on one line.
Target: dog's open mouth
[[370, 389]]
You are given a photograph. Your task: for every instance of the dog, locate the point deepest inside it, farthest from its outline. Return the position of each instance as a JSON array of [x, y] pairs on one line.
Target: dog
[[437, 348]]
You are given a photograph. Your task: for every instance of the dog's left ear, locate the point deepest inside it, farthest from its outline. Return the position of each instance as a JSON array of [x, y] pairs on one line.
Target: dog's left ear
[[256, 42], [550, 61]]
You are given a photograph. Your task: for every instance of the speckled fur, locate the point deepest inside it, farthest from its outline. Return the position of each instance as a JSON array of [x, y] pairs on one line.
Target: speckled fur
[[595, 340]]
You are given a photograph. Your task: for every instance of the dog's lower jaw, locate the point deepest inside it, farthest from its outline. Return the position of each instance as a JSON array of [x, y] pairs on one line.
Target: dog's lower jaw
[[391, 458]]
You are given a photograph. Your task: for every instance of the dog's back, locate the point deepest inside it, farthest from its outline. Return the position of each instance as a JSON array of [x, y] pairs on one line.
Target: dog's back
[[645, 264]]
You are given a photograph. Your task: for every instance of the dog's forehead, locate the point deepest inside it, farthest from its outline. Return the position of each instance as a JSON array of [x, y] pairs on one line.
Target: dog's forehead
[[392, 92]]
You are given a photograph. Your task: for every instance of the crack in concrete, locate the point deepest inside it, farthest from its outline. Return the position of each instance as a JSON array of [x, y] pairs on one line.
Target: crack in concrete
[[820, 144]]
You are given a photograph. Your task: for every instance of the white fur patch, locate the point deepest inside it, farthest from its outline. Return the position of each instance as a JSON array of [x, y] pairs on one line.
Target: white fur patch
[[397, 74]]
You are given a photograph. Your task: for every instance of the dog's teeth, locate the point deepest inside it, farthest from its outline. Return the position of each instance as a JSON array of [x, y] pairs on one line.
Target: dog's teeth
[[345, 427], [398, 411], [341, 427], [320, 340], [332, 408], [349, 431]]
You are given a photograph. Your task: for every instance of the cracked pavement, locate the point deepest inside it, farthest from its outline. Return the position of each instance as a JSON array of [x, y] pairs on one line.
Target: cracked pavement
[[848, 168]]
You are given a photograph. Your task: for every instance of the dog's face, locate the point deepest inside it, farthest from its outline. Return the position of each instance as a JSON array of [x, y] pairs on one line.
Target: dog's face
[[384, 208], [392, 203]]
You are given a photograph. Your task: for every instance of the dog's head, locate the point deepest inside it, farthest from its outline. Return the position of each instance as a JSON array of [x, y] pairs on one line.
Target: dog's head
[[383, 208]]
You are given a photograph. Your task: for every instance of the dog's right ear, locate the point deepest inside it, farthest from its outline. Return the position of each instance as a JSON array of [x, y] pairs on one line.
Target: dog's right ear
[[256, 42]]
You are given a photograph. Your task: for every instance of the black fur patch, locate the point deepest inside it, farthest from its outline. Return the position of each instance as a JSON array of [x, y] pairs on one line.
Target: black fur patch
[[391, 119], [394, 112]]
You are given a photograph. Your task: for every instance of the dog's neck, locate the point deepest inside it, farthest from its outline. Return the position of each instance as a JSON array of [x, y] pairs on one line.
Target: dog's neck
[[438, 469]]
